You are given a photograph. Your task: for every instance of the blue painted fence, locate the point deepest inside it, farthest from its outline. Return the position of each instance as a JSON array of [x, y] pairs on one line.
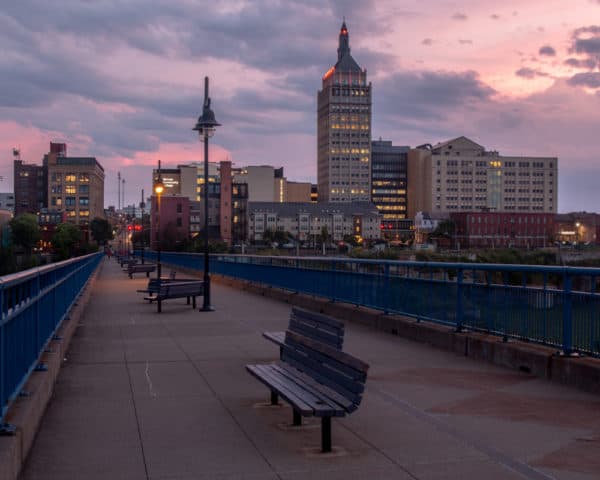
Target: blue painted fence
[[33, 305], [556, 306]]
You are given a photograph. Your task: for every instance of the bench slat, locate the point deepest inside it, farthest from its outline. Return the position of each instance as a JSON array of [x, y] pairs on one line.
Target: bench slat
[[275, 337], [319, 389], [314, 330], [349, 389], [327, 320], [337, 355], [302, 400], [312, 325]]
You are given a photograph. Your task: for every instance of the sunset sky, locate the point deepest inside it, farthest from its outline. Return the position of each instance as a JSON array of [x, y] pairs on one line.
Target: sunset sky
[[122, 80]]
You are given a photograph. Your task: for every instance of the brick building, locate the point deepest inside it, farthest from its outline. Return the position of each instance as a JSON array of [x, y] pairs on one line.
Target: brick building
[[502, 229]]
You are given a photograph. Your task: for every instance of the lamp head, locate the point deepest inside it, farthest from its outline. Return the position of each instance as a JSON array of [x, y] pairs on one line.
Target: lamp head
[[206, 123]]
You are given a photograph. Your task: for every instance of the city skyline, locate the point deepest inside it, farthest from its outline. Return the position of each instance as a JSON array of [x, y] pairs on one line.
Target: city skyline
[[123, 83]]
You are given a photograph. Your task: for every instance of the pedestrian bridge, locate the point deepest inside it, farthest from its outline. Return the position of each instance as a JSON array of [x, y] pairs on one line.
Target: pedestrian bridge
[[142, 395]]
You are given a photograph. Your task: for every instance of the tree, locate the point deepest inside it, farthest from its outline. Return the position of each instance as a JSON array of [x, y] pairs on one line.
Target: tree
[[101, 230], [65, 238], [324, 235], [25, 231], [444, 229]]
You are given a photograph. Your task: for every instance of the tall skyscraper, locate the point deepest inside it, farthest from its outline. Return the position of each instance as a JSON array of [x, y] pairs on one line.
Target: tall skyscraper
[[344, 130]]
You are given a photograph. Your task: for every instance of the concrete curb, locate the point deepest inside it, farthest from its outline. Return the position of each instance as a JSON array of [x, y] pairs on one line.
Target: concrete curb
[[27, 412], [538, 360]]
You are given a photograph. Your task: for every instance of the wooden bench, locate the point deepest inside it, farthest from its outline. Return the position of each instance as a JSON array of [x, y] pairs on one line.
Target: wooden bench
[[316, 380], [153, 285], [191, 289], [313, 325], [146, 268], [126, 261]]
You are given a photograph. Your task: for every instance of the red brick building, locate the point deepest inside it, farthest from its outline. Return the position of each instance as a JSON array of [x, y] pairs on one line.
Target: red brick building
[[502, 229], [172, 219]]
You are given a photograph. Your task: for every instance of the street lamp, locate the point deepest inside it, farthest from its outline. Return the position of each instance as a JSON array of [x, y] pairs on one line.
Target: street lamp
[[158, 189], [142, 206], [206, 127]]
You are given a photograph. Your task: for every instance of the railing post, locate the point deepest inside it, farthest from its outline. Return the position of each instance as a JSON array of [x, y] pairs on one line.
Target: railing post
[[386, 289], [3, 362], [459, 300], [567, 316], [333, 284]]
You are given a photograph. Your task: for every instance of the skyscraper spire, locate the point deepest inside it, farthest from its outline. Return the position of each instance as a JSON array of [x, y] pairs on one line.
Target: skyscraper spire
[[344, 46]]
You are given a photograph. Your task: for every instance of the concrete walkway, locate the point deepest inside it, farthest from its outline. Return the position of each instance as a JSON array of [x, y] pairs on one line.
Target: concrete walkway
[[166, 396]]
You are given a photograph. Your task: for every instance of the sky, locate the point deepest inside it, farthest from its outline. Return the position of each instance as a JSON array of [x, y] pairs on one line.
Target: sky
[[122, 80]]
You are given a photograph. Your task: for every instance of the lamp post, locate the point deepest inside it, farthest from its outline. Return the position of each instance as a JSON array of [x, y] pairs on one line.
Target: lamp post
[[158, 189], [206, 127], [142, 206]]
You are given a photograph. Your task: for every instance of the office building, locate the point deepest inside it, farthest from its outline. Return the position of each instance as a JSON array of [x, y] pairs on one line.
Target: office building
[[419, 176], [344, 130], [30, 185], [7, 202], [75, 185], [389, 187], [466, 177]]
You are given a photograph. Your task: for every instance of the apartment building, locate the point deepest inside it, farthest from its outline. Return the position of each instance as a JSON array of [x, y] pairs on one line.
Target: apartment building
[[305, 221]]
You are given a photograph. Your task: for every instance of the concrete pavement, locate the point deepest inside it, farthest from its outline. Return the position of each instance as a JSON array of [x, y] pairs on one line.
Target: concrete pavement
[[166, 396]]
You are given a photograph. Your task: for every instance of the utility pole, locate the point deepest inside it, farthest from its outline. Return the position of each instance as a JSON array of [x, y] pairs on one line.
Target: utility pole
[[118, 191]]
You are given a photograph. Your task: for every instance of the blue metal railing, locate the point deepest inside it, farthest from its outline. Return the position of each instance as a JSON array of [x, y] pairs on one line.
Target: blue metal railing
[[556, 306], [33, 303]]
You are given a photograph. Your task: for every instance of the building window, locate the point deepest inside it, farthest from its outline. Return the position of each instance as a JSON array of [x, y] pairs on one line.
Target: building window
[[70, 201], [56, 177], [179, 222], [179, 209], [70, 177], [70, 189], [84, 178], [83, 200], [84, 189]]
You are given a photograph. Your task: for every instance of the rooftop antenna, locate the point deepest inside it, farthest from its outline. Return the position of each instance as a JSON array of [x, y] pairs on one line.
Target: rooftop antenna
[[16, 153], [123, 193], [118, 190]]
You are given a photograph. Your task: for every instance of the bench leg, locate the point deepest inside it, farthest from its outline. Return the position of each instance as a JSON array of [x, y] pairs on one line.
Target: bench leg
[[159, 306], [148, 274], [187, 300], [274, 398], [193, 302], [297, 419], [326, 434]]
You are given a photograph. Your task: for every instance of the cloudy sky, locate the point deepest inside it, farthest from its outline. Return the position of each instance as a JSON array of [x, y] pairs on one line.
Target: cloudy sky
[[122, 80]]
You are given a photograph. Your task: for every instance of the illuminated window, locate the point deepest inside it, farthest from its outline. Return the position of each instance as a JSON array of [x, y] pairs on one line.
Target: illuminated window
[[84, 178], [70, 189], [70, 177], [84, 213]]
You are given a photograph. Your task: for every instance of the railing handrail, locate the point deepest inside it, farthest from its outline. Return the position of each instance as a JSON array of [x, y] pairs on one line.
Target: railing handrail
[[551, 305], [12, 278]]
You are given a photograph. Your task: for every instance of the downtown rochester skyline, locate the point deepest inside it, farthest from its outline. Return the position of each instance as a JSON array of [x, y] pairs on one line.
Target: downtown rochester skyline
[[123, 81]]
